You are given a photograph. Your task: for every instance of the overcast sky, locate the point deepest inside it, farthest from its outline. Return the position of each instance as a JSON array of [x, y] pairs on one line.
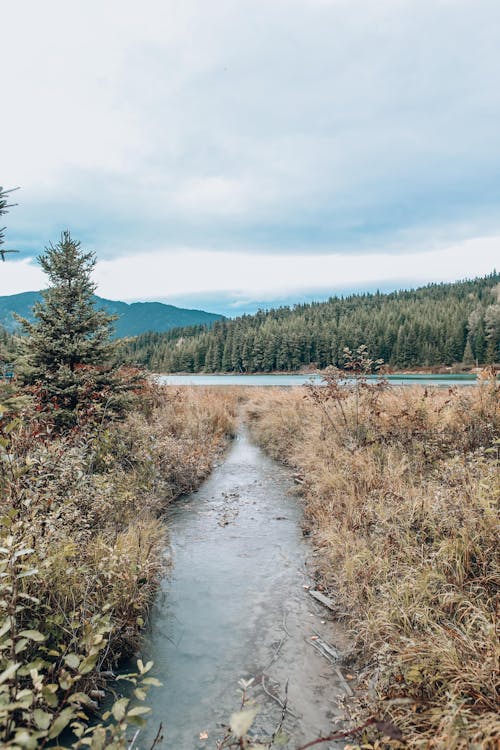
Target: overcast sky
[[231, 152]]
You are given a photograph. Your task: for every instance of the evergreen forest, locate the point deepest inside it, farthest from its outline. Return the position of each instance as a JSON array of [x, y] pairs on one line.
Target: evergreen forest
[[439, 324]]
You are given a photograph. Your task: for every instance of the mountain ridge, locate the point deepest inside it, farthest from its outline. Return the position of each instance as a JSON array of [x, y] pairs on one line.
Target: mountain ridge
[[134, 318]]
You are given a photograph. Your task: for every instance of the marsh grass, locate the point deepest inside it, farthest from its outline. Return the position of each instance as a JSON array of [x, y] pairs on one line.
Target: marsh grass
[[404, 513], [85, 508]]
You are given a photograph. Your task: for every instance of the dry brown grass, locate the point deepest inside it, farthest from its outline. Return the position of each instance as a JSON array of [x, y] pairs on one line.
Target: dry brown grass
[[404, 512], [81, 553], [89, 505]]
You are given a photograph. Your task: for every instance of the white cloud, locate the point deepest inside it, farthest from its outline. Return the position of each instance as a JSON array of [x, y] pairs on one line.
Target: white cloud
[[21, 276], [288, 126], [218, 196], [186, 271], [247, 276]]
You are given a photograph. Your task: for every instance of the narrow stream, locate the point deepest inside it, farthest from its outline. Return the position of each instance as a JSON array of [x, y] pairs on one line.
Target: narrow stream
[[233, 601]]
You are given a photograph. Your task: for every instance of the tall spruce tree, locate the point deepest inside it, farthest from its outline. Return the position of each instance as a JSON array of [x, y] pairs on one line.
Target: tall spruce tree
[[69, 351], [4, 209]]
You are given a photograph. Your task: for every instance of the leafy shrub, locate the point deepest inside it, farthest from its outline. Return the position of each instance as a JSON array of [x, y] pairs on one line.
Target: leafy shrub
[[81, 554]]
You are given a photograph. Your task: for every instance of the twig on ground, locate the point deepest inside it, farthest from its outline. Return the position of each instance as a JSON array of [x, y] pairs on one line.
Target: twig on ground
[[339, 735], [343, 681], [282, 719], [158, 738], [385, 727], [275, 698], [285, 617], [275, 655]]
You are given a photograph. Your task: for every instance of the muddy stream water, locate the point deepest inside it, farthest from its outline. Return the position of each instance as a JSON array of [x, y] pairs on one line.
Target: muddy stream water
[[234, 605]]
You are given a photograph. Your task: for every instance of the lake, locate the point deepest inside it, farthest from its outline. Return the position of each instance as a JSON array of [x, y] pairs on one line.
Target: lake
[[291, 380]]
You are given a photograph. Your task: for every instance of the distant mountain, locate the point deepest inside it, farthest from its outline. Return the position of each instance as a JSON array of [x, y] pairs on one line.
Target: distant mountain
[[134, 318]]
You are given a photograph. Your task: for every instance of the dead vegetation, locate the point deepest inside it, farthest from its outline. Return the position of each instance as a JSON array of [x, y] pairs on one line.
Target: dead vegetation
[[81, 550], [402, 489]]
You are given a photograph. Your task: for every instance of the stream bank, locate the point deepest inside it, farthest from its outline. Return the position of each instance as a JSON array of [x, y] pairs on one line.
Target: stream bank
[[235, 605]]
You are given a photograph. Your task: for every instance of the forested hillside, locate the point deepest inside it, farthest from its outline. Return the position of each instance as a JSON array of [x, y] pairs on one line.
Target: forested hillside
[[439, 324]]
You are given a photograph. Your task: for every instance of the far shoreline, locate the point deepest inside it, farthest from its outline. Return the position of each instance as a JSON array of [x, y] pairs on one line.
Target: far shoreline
[[405, 375], [451, 372]]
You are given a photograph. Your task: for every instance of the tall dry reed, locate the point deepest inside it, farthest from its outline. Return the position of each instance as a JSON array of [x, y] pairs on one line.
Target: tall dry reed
[[404, 513]]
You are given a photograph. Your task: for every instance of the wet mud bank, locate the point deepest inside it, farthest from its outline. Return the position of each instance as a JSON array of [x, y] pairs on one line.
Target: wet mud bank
[[235, 605]]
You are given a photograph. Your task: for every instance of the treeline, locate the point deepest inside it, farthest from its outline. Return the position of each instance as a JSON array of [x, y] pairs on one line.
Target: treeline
[[440, 324]]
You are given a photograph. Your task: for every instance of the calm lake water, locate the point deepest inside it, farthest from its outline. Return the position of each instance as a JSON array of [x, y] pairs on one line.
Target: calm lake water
[[291, 380]]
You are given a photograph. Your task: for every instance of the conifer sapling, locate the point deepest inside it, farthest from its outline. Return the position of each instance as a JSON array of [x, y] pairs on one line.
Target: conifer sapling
[[69, 349]]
